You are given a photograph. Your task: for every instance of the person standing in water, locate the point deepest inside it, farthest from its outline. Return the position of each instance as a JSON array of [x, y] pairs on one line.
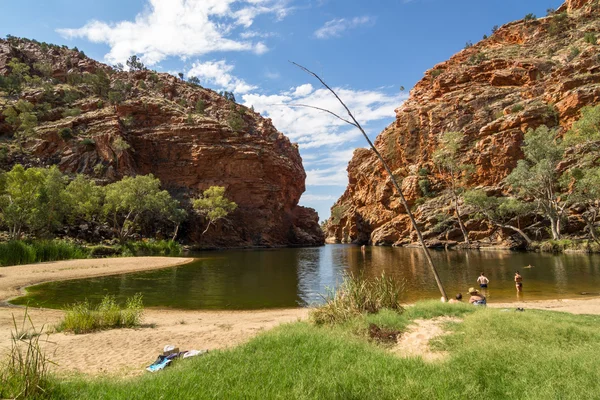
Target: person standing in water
[[518, 281], [483, 281]]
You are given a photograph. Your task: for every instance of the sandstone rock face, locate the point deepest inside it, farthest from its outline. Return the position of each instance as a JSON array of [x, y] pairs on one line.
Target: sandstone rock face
[[528, 73], [158, 130]]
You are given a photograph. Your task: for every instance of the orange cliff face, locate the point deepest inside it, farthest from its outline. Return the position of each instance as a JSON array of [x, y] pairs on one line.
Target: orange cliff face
[[166, 135], [525, 75]]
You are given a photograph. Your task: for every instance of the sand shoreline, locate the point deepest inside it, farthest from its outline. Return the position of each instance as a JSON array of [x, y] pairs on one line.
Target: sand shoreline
[[127, 351]]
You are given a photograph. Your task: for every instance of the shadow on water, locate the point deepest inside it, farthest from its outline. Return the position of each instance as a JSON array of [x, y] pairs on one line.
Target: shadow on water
[[276, 278]]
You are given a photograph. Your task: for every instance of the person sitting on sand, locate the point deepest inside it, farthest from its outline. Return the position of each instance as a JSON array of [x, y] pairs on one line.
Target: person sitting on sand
[[483, 281], [476, 299], [458, 299], [518, 281]]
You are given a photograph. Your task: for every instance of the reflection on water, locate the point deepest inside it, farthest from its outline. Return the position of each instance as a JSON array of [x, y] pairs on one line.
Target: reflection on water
[[297, 277]]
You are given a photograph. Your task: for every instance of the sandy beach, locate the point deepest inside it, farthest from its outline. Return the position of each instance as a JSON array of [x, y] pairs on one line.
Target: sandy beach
[[127, 351]]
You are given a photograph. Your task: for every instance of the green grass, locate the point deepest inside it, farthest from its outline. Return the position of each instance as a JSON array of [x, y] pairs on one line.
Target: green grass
[[83, 318], [151, 248], [492, 354], [19, 252]]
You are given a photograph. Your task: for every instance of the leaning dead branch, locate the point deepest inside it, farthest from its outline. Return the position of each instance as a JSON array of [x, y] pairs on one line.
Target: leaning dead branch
[[356, 124]]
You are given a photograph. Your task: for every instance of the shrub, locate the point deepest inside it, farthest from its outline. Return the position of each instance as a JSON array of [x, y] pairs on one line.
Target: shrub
[[468, 45], [574, 53], [558, 24], [88, 142], [425, 187], [128, 121], [357, 296], [65, 133], [436, 72], [337, 212], [200, 107], [235, 121], [71, 112], [151, 248], [530, 17], [83, 318], [495, 29], [590, 37], [3, 153], [517, 108], [477, 59]]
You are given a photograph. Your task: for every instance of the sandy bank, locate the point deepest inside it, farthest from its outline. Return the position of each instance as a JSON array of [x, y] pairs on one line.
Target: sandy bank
[[574, 306]]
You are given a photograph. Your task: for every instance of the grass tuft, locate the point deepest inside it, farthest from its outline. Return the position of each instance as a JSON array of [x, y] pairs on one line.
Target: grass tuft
[[356, 296], [24, 374], [83, 318]]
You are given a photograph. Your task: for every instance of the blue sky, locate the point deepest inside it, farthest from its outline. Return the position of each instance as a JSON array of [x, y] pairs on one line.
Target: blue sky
[[365, 49]]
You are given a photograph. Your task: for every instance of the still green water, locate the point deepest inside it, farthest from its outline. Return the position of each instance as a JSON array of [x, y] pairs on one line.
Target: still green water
[[255, 279]]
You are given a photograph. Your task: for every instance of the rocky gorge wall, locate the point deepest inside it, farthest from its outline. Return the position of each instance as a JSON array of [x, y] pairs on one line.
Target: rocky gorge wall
[[189, 137], [526, 74]]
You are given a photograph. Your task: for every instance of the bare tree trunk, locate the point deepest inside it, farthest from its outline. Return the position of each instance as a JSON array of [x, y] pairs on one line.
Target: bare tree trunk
[[207, 226], [555, 227], [519, 231], [355, 123], [175, 232], [460, 223]]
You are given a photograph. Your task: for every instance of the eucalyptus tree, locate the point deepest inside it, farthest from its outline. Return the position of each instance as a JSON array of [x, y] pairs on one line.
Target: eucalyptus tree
[[536, 176], [455, 173], [213, 205], [499, 211], [127, 201]]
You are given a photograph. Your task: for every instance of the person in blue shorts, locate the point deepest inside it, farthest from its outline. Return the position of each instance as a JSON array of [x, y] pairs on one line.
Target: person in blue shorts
[[483, 281]]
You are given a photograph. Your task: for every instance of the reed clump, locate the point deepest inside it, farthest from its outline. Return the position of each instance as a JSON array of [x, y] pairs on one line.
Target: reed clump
[[84, 318], [18, 252], [356, 296], [24, 374]]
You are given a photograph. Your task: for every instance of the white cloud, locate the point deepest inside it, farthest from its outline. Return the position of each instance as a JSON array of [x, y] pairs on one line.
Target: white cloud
[[272, 74], [303, 90], [312, 198], [255, 34], [314, 129], [182, 28], [333, 176], [218, 73], [336, 27]]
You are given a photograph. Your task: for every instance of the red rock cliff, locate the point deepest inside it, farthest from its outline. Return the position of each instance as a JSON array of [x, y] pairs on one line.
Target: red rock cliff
[[158, 129], [528, 73]]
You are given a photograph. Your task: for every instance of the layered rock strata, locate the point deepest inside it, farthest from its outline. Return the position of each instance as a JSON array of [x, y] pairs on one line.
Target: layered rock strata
[[526, 74], [189, 137]]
